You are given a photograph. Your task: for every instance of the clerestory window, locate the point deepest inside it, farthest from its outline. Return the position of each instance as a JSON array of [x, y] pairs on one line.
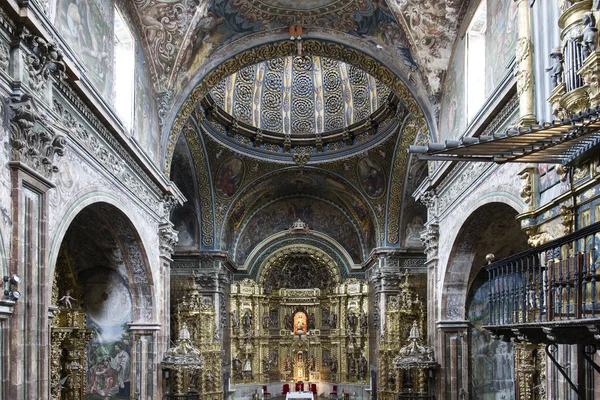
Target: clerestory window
[[475, 62]]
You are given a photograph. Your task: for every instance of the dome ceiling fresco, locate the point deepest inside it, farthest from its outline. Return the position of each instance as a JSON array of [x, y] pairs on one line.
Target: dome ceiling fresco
[[300, 95], [182, 37]]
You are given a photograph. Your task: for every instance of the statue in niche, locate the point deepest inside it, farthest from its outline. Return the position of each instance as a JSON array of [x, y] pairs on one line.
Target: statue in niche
[[362, 366], [351, 321], [391, 379], [287, 322], [237, 367], [248, 321], [311, 321], [266, 323], [248, 368], [266, 363], [288, 363], [332, 320], [209, 380], [300, 323], [333, 364], [589, 34], [311, 363], [66, 299], [556, 70], [363, 320], [235, 320], [351, 366]]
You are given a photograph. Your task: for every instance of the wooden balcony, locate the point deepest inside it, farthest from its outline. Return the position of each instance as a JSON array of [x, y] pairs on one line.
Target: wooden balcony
[[549, 294]]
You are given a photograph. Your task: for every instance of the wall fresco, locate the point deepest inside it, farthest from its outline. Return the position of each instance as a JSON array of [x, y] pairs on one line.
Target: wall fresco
[[279, 215], [146, 116], [87, 26], [501, 41], [492, 361], [453, 121], [108, 308]]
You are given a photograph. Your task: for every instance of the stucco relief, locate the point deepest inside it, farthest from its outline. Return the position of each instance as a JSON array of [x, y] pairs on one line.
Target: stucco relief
[[501, 185], [77, 182], [432, 27]]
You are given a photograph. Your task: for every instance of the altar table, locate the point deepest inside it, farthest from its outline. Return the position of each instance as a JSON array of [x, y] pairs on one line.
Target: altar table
[[299, 395]]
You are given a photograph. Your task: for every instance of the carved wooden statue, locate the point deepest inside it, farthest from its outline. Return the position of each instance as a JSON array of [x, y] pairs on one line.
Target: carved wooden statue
[[556, 70], [589, 35]]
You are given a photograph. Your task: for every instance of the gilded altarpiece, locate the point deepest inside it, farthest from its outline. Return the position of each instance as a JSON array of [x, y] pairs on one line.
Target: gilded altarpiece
[[197, 312], [68, 336], [401, 313], [288, 334]]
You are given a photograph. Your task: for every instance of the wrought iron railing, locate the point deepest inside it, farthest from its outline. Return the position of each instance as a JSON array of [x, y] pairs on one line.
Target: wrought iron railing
[[557, 281]]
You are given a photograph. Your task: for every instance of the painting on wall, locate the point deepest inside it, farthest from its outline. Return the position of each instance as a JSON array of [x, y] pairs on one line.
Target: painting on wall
[[501, 41], [146, 117], [412, 232], [453, 120], [185, 223], [87, 27], [229, 177], [108, 306], [279, 215], [492, 361], [370, 176]]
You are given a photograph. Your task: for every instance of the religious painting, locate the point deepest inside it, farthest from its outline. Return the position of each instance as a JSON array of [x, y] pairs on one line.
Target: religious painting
[[320, 216], [492, 361], [229, 177], [500, 40], [453, 104], [146, 117], [87, 27], [370, 176], [412, 232], [108, 304], [300, 323], [185, 222]]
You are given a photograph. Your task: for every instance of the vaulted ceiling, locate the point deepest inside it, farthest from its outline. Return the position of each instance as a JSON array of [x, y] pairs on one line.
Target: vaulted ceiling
[[261, 130], [186, 38]]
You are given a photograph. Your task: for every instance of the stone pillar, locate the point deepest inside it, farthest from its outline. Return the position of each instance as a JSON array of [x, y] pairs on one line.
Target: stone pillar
[[525, 65], [383, 279], [145, 360], [33, 151], [430, 237], [167, 241], [453, 377]]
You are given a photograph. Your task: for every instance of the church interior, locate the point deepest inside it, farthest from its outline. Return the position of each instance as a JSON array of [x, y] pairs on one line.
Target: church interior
[[335, 199]]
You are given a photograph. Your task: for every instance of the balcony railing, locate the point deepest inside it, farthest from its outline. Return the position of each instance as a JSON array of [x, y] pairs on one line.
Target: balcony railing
[[545, 292]]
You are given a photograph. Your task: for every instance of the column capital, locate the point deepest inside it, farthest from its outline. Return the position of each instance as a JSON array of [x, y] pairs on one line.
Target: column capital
[[168, 240]]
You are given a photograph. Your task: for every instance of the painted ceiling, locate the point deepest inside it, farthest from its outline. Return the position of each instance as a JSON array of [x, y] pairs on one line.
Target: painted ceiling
[[300, 95], [183, 37], [239, 52]]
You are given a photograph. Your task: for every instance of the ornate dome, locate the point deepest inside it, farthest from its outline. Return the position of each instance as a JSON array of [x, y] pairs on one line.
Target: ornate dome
[[300, 104]]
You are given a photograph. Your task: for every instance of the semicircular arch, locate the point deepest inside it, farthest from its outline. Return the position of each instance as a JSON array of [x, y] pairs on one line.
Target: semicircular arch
[[132, 245], [205, 80], [490, 228], [325, 265]]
